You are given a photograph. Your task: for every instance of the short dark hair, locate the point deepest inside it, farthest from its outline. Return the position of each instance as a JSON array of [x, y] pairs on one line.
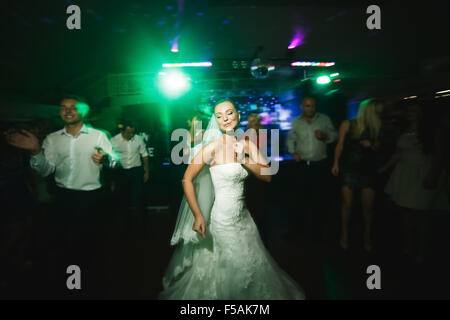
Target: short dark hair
[[308, 97], [126, 123], [74, 97]]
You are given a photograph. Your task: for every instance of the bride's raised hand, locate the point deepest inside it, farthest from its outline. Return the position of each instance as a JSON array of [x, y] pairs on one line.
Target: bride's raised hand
[[199, 225]]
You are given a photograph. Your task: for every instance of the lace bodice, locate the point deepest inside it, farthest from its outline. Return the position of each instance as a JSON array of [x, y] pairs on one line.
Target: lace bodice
[[228, 180]]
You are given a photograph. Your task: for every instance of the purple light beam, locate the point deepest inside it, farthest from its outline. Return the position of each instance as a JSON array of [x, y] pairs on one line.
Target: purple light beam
[[298, 39], [174, 47]]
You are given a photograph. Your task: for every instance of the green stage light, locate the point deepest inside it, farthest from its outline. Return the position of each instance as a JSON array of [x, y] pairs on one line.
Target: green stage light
[[173, 84], [323, 80]]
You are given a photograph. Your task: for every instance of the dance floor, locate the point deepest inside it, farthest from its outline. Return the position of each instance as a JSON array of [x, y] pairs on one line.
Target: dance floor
[[131, 262]]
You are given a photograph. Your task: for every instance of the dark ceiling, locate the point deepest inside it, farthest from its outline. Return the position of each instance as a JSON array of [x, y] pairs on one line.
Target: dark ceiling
[[40, 56]]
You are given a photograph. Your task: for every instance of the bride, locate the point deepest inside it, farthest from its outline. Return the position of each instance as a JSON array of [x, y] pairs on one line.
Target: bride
[[219, 252]]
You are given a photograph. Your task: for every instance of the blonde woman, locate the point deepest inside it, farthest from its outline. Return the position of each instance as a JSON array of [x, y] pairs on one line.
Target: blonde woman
[[354, 161]]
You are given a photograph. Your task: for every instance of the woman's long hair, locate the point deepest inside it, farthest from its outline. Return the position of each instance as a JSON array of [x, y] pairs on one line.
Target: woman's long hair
[[369, 117]]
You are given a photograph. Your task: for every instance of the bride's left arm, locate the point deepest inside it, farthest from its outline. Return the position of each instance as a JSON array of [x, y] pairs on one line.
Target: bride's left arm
[[255, 161]]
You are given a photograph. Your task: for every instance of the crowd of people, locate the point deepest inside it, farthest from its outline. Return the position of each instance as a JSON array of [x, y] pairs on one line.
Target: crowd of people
[[418, 180], [74, 157], [406, 142]]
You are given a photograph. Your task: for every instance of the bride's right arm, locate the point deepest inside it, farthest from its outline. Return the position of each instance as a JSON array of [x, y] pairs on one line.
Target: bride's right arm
[[195, 166]]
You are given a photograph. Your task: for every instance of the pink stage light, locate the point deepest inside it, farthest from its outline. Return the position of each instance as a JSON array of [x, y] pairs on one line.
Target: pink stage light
[[298, 39]]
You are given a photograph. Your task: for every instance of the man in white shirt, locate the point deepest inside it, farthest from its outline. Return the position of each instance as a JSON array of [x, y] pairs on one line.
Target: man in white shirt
[[307, 142], [75, 154], [132, 174]]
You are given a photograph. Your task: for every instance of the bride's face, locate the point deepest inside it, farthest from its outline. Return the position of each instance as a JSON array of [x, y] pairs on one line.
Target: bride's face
[[226, 116]]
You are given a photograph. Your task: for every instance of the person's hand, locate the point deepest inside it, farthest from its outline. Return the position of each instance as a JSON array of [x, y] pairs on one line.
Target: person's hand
[[335, 170], [297, 157], [321, 135], [365, 143], [23, 140], [99, 157], [199, 225], [146, 176]]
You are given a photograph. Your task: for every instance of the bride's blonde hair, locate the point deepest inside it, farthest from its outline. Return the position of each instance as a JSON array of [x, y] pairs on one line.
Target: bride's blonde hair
[[368, 117], [225, 100]]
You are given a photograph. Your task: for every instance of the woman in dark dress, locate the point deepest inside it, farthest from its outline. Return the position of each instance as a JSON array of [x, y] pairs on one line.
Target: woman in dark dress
[[355, 162]]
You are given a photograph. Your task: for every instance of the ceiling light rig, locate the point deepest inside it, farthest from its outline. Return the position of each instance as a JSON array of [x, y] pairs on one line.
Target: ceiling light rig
[[442, 95], [312, 64], [206, 64], [260, 68]]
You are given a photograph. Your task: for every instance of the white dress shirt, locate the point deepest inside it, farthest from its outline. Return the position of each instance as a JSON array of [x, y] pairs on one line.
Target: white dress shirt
[[302, 138], [71, 158], [130, 150]]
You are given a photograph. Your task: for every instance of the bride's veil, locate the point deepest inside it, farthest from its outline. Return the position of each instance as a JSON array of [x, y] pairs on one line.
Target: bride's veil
[[204, 191]]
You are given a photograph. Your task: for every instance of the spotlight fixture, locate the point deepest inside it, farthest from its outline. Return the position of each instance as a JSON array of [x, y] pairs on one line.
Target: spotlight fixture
[[323, 80], [173, 84]]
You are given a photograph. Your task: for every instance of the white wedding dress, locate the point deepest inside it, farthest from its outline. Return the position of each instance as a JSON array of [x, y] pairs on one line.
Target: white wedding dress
[[231, 262]]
